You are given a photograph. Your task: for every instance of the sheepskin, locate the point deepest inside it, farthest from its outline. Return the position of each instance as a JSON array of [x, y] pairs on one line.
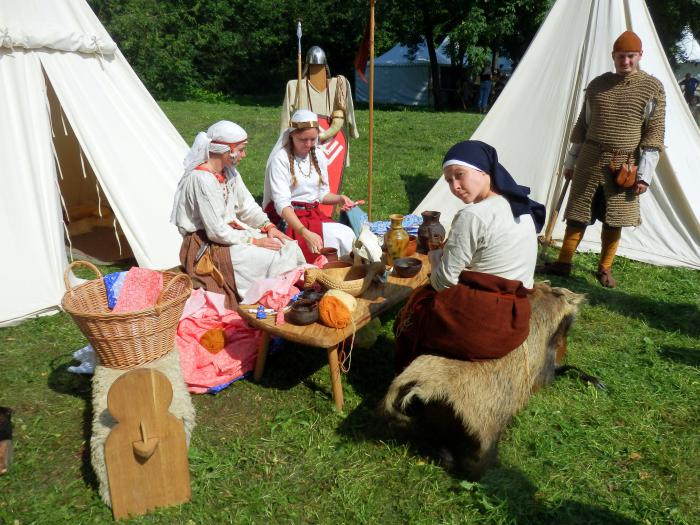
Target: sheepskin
[[102, 421], [462, 407]]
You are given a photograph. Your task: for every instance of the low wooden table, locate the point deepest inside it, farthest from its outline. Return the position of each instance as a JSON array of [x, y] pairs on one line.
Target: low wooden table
[[376, 300]]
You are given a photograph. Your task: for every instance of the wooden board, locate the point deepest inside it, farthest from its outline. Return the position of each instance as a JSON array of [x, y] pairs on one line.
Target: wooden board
[[376, 300], [146, 453]]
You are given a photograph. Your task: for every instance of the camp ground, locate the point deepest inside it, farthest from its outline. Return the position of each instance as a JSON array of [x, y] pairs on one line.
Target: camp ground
[[145, 377]]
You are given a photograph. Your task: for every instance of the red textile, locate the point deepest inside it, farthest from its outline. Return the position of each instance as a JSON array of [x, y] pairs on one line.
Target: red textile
[[482, 317], [140, 290], [201, 368], [220, 177], [362, 55], [310, 216]]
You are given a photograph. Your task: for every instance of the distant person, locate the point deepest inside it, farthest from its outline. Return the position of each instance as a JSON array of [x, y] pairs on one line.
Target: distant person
[[690, 84], [622, 120], [486, 83], [499, 86]]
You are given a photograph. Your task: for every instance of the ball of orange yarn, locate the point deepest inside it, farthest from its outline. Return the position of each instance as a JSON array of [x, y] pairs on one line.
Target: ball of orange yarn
[[335, 308], [213, 340]]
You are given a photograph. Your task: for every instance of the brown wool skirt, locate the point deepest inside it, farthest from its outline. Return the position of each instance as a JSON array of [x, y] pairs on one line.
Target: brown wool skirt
[[214, 270], [482, 317]]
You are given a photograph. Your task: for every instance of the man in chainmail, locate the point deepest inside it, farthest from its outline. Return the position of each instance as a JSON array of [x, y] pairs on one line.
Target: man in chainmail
[[622, 121]]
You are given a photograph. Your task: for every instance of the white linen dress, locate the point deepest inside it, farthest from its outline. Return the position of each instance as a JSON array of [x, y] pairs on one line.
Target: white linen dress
[[279, 190], [203, 203], [486, 238]]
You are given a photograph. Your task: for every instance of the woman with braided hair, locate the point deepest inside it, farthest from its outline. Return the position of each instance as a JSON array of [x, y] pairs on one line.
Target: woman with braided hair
[[296, 182]]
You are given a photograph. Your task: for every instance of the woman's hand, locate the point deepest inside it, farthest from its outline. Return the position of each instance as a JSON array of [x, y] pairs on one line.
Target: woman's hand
[[274, 233], [268, 243], [345, 203], [313, 240]]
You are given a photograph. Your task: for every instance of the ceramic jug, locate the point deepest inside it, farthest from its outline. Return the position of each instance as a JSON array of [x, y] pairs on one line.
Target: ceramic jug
[[395, 239], [431, 234]]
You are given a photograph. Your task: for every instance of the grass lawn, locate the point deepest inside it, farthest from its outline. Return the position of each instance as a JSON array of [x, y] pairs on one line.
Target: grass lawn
[[277, 452]]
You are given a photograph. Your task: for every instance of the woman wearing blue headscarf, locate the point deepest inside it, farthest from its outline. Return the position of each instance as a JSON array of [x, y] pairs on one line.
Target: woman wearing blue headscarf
[[476, 305]]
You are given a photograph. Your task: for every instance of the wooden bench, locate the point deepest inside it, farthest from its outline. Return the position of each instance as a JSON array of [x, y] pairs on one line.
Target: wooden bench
[[376, 300]]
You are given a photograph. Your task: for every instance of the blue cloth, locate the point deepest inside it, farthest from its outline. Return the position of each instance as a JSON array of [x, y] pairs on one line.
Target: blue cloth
[[410, 223], [113, 285], [354, 218], [485, 158]]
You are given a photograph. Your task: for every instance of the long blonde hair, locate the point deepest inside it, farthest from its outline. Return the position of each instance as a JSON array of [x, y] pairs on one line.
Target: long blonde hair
[[314, 161]]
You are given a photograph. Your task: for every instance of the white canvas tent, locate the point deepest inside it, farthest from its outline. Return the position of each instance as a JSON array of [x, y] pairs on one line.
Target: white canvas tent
[[531, 122], [78, 127], [403, 77]]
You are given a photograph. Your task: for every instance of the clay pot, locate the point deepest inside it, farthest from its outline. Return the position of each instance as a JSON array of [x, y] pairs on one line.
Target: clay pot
[[330, 253], [395, 239], [303, 312], [431, 234], [407, 267], [411, 247]]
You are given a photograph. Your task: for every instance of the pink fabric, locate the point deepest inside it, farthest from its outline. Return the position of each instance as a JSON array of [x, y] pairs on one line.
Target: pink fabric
[[140, 290], [200, 368]]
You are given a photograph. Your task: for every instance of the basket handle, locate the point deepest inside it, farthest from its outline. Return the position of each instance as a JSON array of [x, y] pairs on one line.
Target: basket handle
[[163, 293], [75, 264]]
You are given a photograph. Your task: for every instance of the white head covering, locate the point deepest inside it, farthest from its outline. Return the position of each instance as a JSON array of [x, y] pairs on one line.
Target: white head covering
[[215, 140], [301, 119]]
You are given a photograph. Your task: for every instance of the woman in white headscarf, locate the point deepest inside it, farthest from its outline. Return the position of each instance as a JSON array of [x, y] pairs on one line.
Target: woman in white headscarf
[[228, 241], [296, 182]]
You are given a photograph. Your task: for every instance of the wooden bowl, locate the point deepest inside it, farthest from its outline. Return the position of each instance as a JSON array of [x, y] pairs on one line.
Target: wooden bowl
[[407, 267], [302, 312], [330, 253]]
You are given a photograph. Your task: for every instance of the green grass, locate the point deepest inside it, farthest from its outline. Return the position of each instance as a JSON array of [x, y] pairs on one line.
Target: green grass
[[277, 452]]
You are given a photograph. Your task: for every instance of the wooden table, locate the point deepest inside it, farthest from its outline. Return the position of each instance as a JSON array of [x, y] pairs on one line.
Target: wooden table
[[376, 300]]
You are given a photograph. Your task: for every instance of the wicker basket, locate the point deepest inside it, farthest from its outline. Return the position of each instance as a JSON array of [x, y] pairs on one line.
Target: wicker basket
[[125, 340], [354, 279]]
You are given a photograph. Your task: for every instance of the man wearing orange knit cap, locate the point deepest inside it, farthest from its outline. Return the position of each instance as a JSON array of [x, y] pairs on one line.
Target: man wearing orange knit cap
[[621, 122]]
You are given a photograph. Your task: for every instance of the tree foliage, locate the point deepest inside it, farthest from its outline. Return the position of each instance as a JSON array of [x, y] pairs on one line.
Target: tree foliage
[[191, 48]]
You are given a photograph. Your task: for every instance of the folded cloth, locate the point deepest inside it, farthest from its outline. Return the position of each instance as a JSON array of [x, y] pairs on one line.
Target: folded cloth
[[140, 290], [113, 285], [275, 292], [202, 369], [355, 218]]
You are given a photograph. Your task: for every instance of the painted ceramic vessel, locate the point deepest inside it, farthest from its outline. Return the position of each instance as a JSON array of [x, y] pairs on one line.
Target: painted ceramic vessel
[[395, 239], [431, 234]]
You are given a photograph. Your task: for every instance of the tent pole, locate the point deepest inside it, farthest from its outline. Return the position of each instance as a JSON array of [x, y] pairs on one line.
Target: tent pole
[[370, 134]]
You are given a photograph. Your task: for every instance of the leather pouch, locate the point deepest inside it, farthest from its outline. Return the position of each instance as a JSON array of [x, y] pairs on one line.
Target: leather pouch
[[625, 175]]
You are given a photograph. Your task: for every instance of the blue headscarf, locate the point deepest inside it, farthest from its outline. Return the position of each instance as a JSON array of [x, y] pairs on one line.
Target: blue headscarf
[[484, 157]]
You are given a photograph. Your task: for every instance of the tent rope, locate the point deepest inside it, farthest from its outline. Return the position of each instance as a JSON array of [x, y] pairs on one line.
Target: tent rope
[[70, 244], [6, 39], [116, 234], [82, 162]]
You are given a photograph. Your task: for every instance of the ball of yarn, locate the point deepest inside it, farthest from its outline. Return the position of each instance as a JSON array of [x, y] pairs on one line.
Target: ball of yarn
[[348, 300], [213, 340], [335, 308]]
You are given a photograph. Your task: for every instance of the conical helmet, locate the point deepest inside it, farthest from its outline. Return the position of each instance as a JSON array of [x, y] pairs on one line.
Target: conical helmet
[[316, 55]]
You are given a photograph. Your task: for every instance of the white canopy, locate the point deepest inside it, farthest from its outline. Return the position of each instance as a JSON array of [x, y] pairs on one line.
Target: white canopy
[[402, 76], [531, 122], [74, 116]]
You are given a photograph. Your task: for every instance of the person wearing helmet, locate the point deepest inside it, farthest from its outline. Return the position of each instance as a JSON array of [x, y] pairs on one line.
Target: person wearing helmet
[[329, 97]]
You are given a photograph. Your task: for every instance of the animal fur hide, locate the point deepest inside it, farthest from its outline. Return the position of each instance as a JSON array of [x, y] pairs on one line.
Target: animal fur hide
[[462, 407], [103, 422]]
